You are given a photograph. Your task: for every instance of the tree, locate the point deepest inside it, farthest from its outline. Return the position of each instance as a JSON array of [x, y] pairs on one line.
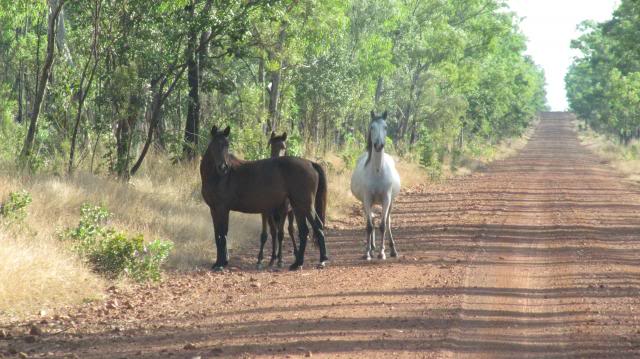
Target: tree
[[54, 12]]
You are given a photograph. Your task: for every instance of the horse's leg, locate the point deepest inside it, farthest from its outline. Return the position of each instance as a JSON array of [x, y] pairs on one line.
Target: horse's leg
[[291, 218], [263, 240], [394, 253], [303, 232], [318, 233], [215, 238], [221, 226], [274, 237], [386, 204], [370, 230], [281, 237]]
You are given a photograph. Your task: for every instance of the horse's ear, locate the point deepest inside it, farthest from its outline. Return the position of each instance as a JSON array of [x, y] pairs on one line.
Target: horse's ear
[[284, 136], [214, 130], [273, 134], [226, 131], [373, 115], [384, 115]]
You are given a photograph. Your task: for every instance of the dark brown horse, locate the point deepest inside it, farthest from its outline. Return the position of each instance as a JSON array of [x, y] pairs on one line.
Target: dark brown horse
[[229, 184], [276, 219]]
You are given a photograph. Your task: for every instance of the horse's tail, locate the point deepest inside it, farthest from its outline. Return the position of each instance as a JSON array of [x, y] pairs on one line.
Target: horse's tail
[[321, 195]]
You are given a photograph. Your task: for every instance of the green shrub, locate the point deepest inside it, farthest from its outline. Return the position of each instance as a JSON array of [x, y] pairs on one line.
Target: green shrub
[[113, 253], [427, 149], [352, 149], [295, 146], [15, 207], [251, 142]]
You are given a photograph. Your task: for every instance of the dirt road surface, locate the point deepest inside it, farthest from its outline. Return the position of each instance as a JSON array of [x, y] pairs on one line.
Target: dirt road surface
[[535, 256]]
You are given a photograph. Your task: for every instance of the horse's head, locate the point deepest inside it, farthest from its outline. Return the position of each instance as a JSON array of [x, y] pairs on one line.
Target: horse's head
[[278, 144], [218, 149], [377, 133]]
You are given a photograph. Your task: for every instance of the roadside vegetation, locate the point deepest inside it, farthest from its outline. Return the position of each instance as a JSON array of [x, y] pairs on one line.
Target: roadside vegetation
[[624, 157], [603, 88], [603, 83], [106, 106]]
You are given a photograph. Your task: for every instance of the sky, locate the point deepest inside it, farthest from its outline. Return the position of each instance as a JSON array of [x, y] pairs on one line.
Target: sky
[[550, 25]]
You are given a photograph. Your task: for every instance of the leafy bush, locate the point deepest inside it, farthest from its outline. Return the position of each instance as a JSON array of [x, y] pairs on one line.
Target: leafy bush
[[251, 142], [295, 146], [15, 207], [113, 253], [353, 148], [427, 149]]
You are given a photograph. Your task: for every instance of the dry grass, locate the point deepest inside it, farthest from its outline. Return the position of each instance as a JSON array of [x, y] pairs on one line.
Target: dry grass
[[163, 201], [625, 158], [36, 274]]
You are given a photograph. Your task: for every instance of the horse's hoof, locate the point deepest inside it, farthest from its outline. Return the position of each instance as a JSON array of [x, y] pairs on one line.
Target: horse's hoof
[[321, 265], [366, 257], [295, 267], [280, 265], [259, 266], [271, 264], [217, 269], [382, 256], [394, 254]]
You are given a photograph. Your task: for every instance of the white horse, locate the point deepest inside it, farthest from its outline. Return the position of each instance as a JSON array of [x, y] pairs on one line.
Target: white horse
[[376, 181]]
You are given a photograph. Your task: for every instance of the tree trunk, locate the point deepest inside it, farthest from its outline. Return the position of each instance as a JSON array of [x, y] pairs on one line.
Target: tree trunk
[[275, 77], [159, 97], [84, 90], [155, 114], [378, 92], [42, 84], [193, 104], [61, 37], [410, 105], [20, 89]]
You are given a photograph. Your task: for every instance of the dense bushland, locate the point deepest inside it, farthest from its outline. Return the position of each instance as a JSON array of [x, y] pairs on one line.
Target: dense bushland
[[603, 83], [97, 84]]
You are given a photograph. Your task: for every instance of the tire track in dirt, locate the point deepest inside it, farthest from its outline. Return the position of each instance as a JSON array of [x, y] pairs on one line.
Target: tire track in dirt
[[534, 256]]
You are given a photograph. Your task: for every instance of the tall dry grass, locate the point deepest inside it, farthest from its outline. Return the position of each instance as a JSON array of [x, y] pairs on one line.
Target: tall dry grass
[[36, 274], [625, 158], [163, 201]]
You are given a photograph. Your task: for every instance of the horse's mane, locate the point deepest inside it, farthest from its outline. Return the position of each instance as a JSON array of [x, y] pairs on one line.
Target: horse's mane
[[374, 118], [369, 147]]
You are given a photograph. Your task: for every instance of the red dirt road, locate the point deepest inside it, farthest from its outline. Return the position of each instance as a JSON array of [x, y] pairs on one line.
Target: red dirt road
[[535, 256]]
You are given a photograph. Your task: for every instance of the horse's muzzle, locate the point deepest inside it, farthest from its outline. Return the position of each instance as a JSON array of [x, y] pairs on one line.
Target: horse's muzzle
[[378, 147]]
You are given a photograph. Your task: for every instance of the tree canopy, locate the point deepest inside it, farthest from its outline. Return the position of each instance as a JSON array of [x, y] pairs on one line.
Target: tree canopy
[[603, 83], [129, 76]]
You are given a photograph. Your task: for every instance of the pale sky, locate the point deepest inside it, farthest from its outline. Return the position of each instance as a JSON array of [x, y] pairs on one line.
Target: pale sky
[[550, 25]]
